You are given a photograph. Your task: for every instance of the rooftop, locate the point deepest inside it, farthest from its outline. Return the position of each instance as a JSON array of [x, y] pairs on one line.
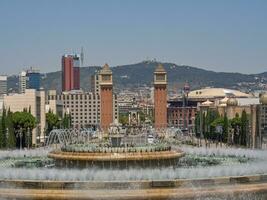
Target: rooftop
[[210, 93]]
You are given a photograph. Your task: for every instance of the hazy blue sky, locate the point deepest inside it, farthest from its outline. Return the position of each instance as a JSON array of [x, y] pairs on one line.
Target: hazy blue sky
[[225, 35]]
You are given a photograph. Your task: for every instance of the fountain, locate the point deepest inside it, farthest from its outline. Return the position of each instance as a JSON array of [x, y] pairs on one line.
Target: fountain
[[78, 149], [86, 164]]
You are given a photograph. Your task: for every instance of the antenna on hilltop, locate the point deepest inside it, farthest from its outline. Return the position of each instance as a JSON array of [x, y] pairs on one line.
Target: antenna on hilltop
[[82, 56]]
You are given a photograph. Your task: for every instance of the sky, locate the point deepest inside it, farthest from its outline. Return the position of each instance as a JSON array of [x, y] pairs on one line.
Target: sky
[[218, 35]]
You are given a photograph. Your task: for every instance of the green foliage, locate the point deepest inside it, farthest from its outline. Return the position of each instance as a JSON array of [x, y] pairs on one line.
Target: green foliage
[[208, 119], [24, 122], [142, 116], [244, 128], [236, 125], [225, 128], [52, 121], [11, 139], [3, 130], [217, 122], [212, 119], [10, 125], [176, 73], [123, 119], [66, 121]]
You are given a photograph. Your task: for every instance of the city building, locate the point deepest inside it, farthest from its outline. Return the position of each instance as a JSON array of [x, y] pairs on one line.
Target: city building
[[35, 102], [95, 83], [70, 72], [3, 85], [23, 82], [261, 117], [231, 106], [215, 93], [182, 114], [33, 79], [53, 104], [256, 110], [76, 73], [83, 107], [106, 97], [160, 97], [29, 79]]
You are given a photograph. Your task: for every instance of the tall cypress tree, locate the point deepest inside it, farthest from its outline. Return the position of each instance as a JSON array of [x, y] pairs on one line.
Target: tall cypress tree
[[11, 139], [244, 128], [225, 128], [3, 130]]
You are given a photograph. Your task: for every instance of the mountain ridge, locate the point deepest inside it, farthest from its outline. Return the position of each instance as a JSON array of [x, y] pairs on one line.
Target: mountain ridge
[[138, 74]]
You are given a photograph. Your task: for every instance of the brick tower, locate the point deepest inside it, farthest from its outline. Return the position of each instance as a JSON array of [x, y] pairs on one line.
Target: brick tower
[[160, 97], [106, 97]]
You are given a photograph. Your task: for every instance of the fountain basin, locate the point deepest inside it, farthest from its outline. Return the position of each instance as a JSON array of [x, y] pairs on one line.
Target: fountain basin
[[243, 187], [118, 159]]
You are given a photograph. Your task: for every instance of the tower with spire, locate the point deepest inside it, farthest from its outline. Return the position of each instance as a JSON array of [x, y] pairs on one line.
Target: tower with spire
[[160, 97], [106, 97]]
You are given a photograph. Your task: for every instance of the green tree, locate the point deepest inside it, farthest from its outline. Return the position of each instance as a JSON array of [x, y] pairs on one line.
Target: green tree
[[244, 128], [24, 122], [217, 122], [123, 119], [209, 130], [3, 130], [52, 121], [236, 125], [11, 139], [225, 128], [66, 121], [142, 116]]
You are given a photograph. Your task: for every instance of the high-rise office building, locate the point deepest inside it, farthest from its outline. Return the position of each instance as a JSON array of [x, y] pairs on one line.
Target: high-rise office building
[[76, 73], [22, 82], [3, 85], [160, 97], [29, 79], [70, 72], [34, 79]]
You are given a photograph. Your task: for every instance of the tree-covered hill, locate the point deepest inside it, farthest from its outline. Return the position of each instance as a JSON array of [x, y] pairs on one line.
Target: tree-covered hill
[[141, 73]]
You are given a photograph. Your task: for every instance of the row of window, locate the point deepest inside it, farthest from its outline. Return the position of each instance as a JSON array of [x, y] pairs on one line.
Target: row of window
[[179, 122], [81, 106]]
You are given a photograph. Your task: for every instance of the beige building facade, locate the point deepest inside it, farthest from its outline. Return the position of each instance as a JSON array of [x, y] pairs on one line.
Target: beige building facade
[[35, 100], [83, 107]]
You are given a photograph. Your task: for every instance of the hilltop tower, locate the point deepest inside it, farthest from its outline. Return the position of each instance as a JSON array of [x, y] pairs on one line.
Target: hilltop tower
[[106, 97], [160, 97]]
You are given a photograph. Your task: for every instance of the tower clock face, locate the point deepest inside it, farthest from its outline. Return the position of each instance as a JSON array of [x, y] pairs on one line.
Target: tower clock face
[[160, 77]]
